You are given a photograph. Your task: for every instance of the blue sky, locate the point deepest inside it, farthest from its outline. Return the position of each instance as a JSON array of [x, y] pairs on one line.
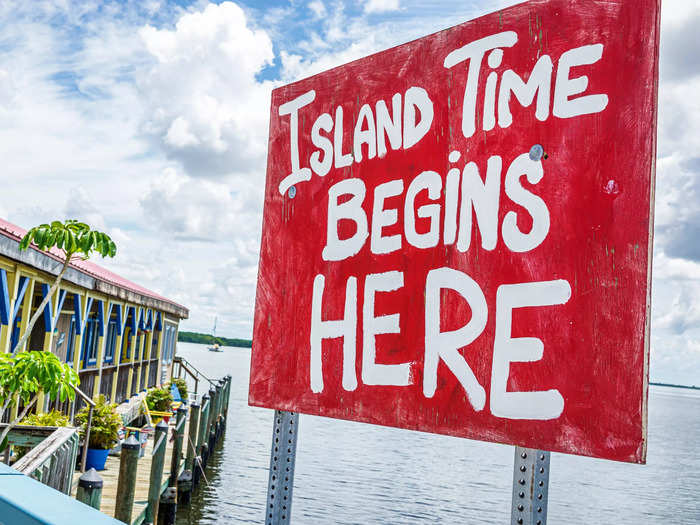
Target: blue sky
[[149, 119]]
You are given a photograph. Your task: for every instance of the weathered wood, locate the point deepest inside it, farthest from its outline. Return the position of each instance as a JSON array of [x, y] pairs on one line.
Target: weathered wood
[[143, 476], [53, 459], [157, 462], [126, 485], [203, 431], [90, 489], [192, 437], [177, 447]]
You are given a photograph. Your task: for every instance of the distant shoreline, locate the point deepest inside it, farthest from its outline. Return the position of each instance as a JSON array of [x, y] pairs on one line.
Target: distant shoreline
[[693, 387], [208, 339]]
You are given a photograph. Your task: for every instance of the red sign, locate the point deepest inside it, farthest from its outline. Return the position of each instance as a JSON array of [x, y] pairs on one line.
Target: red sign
[[457, 233]]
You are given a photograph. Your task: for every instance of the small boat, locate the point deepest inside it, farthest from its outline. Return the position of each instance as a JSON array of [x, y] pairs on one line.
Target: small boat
[[216, 347]]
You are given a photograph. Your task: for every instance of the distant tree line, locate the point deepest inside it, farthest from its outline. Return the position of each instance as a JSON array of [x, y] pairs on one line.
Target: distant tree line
[[208, 339]]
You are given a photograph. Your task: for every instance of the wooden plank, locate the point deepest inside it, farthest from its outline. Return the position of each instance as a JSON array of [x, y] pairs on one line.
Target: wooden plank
[[110, 476]]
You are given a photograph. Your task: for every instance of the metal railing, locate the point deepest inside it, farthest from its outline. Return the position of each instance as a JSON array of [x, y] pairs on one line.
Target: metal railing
[[88, 427], [184, 365]]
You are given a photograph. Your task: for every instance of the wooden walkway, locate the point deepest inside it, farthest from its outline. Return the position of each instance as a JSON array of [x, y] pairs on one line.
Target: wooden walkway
[[110, 476]]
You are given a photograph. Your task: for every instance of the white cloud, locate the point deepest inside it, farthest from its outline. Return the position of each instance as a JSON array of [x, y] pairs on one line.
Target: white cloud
[[203, 103], [381, 6], [318, 8]]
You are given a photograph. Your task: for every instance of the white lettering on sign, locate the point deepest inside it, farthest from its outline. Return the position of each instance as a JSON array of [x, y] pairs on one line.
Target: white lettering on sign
[[477, 194], [508, 349], [431, 206], [372, 372]]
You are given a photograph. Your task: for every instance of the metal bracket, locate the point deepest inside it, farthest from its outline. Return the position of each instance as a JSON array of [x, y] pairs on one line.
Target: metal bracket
[[530, 487], [282, 459]]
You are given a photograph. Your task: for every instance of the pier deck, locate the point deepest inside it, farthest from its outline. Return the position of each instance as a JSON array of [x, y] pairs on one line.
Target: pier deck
[[110, 477]]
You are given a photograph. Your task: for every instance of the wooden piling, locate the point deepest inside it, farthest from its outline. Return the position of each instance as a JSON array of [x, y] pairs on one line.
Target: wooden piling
[[126, 485], [160, 441], [177, 446], [192, 437], [90, 489], [203, 432], [167, 511]]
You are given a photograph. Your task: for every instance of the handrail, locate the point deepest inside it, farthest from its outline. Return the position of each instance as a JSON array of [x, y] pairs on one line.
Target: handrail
[[84, 396], [180, 360], [88, 427], [52, 460]]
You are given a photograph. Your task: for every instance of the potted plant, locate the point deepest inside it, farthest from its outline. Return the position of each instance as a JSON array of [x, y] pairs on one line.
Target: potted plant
[[160, 400], [181, 385], [104, 432]]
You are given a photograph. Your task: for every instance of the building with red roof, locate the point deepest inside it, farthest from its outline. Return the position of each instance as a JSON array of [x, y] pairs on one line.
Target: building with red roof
[[118, 335]]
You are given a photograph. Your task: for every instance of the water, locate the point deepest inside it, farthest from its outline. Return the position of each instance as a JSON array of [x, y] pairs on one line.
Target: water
[[353, 473]]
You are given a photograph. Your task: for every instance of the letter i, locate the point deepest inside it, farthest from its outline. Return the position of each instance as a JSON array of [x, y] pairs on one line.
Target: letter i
[[451, 200], [494, 60]]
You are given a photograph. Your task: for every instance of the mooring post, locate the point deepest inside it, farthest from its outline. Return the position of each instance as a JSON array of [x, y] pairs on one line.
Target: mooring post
[[177, 446], [167, 510], [160, 442], [281, 476], [219, 400], [185, 480], [126, 484], [90, 489], [212, 418], [228, 394], [191, 445], [203, 433], [530, 487]]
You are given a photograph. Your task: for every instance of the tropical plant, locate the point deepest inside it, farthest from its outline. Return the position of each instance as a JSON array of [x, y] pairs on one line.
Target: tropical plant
[[181, 385], [25, 375], [106, 423], [46, 419], [159, 399], [75, 239]]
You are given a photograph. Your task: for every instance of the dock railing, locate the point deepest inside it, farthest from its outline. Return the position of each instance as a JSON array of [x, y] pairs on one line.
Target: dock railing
[[183, 365], [51, 460]]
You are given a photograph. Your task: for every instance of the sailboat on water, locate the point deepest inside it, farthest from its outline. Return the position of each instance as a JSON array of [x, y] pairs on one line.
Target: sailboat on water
[[215, 347]]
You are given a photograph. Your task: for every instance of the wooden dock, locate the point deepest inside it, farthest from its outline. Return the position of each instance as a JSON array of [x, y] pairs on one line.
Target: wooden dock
[[110, 476]]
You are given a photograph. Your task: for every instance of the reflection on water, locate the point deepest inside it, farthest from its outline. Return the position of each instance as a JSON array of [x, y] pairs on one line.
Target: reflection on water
[[353, 473]]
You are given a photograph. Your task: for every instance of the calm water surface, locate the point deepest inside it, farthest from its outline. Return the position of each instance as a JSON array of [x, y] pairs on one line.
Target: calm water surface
[[353, 473]]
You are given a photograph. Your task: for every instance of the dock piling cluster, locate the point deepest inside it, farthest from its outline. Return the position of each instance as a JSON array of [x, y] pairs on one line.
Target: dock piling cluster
[[190, 453]]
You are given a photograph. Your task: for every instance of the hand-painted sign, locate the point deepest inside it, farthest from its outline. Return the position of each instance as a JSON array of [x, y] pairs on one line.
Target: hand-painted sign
[[457, 233]]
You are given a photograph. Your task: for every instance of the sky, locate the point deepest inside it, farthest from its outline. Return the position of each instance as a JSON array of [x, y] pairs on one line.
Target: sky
[[149, 120]]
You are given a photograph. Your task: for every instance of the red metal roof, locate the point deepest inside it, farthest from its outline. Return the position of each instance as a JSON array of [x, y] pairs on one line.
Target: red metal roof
[[12, 231]]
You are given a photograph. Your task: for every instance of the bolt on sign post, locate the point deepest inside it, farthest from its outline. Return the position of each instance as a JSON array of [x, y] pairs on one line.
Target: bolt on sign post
[[457, 235]]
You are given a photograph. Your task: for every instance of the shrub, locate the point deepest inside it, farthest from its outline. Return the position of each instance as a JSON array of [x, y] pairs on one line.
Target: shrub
[[181, 385], [106, 423], [50, 419], [159, 399]]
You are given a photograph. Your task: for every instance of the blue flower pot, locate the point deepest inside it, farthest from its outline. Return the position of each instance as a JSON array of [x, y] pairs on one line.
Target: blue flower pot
[[96, 458]]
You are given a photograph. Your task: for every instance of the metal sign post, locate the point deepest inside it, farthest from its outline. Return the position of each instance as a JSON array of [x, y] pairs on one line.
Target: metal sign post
[[282, 459], [530, 487]]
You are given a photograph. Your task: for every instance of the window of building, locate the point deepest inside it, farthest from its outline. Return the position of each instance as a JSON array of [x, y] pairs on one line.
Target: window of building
[[71, 340], [111, 341], [90, 339]]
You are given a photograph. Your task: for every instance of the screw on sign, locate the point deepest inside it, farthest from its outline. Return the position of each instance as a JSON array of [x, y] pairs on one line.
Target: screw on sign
[[468, 248]]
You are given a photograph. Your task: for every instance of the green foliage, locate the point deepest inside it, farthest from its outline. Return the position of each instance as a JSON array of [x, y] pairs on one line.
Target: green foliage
[[50, 419], [159, 399], [208, 339], [28, 373], [70, 236], [104, 432], [181, 385]]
